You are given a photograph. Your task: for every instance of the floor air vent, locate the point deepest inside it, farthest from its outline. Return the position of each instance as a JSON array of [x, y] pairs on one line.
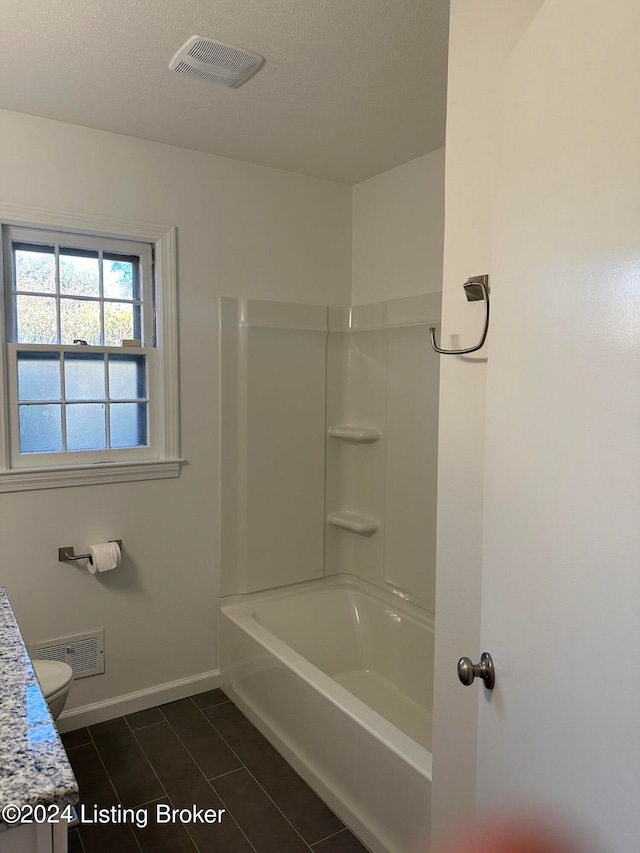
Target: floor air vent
[[216, 62], [83, 652]]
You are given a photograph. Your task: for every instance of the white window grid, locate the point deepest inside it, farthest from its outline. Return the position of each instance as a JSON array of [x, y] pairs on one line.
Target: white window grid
[[71, 457], [103, 246]]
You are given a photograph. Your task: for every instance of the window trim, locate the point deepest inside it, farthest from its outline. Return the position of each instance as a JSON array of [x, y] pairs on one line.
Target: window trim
[[167, 464]]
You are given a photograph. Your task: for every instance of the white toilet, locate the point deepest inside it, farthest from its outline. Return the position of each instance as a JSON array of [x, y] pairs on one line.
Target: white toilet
[[55, 680]]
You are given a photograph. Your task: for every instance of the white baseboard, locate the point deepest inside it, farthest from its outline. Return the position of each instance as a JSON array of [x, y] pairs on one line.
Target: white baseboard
[[98, 712]]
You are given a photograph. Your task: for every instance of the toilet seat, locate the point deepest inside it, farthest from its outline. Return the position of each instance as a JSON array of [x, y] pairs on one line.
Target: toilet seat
[[54, 677]]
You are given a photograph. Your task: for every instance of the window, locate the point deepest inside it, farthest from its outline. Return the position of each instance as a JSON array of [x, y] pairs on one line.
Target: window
[[89, 360]]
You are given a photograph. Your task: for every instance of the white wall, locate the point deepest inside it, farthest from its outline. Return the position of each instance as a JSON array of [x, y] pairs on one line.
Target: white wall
[[243, 230], [472, 119], [398, 228]]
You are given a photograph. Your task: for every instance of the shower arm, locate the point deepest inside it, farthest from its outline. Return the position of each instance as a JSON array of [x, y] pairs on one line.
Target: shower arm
[[477, 289]]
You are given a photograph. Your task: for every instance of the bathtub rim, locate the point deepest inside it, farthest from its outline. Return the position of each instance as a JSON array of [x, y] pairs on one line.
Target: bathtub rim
[[240, 609], [390, 596]]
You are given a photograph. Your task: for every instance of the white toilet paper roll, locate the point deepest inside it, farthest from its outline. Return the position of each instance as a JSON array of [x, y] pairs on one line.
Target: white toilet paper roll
[[104, 557]]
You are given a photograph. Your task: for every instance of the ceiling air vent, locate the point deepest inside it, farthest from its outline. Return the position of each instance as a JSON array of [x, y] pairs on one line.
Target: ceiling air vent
[[216, 62]]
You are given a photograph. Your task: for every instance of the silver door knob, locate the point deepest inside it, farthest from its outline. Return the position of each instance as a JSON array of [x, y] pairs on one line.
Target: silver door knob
[[485, 670]]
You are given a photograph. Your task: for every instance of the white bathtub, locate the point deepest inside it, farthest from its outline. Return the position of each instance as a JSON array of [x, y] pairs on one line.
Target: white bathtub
[[338, 676]]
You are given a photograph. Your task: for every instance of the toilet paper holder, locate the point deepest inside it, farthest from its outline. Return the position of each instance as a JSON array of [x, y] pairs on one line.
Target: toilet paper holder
[[68, 554]]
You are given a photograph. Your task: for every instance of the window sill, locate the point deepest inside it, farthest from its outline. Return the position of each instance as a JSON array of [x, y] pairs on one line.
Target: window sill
[[17, 480]]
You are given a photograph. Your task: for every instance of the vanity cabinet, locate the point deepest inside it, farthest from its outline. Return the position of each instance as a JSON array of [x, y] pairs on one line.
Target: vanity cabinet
[[31, 838]]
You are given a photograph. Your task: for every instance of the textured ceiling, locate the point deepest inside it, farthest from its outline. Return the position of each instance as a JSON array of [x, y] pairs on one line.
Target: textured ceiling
[[350, 88]]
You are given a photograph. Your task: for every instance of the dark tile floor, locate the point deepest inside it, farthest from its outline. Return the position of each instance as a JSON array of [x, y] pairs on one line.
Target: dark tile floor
[[200, 751]]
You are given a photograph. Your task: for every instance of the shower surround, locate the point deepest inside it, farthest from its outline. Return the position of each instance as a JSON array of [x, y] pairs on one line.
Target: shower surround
[[329, 430]]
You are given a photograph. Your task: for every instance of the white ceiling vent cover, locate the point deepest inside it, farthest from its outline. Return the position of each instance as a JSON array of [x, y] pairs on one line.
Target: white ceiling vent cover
[[216, 62], [83, 652]]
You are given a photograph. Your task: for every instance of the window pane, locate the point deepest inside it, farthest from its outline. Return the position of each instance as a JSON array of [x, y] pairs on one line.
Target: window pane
[[127, 377], [35, 269], [38, 376], [84, 377], [121, 320], [86, 426], [36, 320], [120, 277], [79, 274], [40, 429], [128, 424], [80, 319]]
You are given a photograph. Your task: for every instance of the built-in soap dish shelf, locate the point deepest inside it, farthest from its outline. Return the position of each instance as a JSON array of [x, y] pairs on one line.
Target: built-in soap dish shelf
[[355, 434], [353, 522]]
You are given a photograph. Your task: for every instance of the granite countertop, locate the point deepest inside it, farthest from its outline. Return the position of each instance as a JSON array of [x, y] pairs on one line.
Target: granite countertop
[[34, 768]]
